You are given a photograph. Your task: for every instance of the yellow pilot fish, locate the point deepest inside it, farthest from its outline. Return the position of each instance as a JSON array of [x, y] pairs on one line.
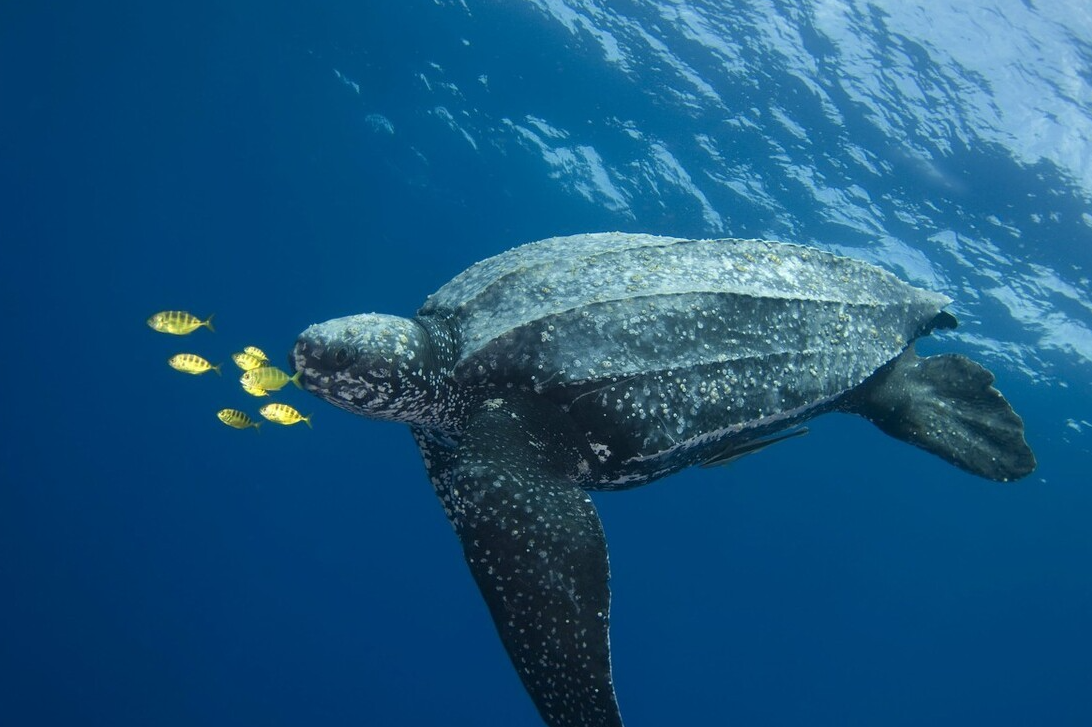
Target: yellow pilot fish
[[268, 378], [283, 414], [191, 363], [247, 361], [256, 352], [255, 390], [237, 419], [178, 322]]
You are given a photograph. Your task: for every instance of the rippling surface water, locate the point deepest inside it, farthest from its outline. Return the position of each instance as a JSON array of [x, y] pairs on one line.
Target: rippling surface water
[[951, 143], [278, 165]]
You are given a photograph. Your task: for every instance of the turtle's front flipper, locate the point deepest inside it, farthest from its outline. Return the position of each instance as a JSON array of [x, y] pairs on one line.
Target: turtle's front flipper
[[535, 546]]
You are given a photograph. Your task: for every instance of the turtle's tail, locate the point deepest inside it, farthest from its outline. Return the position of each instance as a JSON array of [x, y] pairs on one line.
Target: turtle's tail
[[947, 405]]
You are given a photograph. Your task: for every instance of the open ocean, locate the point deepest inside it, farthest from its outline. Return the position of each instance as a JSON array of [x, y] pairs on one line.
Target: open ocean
[[279, 164]]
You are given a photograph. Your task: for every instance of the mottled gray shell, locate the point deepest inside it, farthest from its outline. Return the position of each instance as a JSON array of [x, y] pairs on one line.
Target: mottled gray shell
[[676, 340]]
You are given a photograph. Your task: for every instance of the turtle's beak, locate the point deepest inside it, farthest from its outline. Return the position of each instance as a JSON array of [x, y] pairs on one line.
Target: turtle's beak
[[307, 358]]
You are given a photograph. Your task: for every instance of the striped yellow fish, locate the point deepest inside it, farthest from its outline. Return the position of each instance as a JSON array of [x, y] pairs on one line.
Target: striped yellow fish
[[191, 363], [283, 414], [255, 390], [256, 352], [237, 419], [247, 361], [269, 378], [178, 322]]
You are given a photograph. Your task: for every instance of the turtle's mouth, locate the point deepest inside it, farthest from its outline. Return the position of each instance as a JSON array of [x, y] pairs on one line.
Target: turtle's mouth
[[325, 361], [363, 363], [308, 358]]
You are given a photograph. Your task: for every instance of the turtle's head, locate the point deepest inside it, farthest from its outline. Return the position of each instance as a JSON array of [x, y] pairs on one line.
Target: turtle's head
[[374, 365]]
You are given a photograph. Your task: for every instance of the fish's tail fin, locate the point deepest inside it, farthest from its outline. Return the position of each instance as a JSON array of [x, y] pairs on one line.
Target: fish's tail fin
[[947, 405], [207, 323], [295, 379], [216, 368], [307, 420]]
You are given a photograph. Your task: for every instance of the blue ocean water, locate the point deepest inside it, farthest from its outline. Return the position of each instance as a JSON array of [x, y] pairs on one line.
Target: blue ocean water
[[278, 165]]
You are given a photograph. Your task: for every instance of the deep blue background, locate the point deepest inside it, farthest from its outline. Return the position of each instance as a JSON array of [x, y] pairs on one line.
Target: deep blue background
[[158, 568]]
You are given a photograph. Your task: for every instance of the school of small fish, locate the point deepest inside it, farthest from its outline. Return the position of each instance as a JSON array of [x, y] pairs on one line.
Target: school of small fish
[[258, 379]]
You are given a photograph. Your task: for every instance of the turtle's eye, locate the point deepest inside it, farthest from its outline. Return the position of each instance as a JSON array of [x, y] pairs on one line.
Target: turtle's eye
[[342, 356]]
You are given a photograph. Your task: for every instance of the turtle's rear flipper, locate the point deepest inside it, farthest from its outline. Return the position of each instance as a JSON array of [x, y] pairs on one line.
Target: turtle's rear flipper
[[947, 405], [535, 546]]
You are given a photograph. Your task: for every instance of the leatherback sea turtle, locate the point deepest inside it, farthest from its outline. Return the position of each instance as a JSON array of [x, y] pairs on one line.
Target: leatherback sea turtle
[[607, 361]]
